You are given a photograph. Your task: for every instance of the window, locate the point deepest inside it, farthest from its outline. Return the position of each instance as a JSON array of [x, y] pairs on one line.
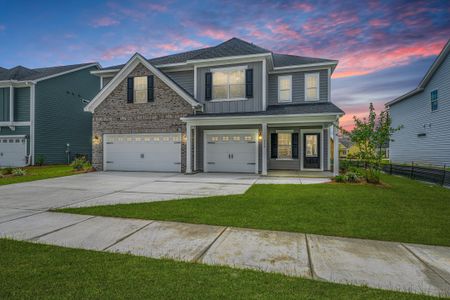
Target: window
[[434, 100], [284, 145], [228, 84], [312, 86], [285, 88], [311, 145], [140, 89]]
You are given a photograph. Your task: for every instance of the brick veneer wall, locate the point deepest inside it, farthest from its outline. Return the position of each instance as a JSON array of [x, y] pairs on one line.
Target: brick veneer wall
[[114, 115]]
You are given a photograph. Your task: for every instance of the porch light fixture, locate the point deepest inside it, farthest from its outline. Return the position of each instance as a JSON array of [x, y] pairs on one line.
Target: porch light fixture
[[259, 136], [96, 140]]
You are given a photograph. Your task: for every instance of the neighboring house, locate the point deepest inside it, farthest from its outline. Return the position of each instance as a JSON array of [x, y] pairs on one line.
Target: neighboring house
[[235, 107], [41, 113], [425, 115]]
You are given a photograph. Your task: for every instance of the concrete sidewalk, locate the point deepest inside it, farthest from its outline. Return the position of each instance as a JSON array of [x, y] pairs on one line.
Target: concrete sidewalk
[[385, 265]]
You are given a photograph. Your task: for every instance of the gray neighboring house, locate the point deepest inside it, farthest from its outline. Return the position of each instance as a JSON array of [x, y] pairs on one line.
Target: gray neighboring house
[[234, 107], [425, 115], [41, 113]]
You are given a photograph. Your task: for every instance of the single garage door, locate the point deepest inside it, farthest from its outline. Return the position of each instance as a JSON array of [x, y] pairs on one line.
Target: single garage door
[[143, 152], [231, 151], [13, 151]]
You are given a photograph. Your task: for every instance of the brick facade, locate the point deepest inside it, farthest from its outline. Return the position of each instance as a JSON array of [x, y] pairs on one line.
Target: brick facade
[[114, 115]]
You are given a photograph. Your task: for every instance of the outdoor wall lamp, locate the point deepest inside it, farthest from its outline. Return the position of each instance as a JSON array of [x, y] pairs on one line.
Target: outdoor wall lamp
[[96, 140]]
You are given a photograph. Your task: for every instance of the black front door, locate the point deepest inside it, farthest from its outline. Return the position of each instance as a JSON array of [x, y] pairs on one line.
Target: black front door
[[311, 151]]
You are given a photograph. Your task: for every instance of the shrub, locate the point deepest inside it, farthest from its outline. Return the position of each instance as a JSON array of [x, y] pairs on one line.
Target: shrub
[[353, 177], [81, 164], [40, 160], [341, 178], [19, 172], [6, 171], [344, 165]]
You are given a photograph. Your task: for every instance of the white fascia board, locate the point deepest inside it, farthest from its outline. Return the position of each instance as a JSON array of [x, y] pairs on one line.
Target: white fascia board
[[15, 83], [130, 65], [225, 58], [111, 72], [403, 97], [331, 63], [69, 71], [12, 136]]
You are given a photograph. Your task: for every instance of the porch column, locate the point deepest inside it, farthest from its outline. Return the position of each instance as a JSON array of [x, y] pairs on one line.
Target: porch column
[[264, 148], [195, 148], [335, 150], [11, 104], [188, 148]]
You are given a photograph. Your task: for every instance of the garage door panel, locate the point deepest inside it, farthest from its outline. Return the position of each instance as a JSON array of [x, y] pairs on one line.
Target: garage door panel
[[13, 151], [143, 152]]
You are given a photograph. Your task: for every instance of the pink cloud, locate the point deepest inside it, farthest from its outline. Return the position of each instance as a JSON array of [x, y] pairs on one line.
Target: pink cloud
[[379, 23], [156, 7], [104, 22], [353, 31], [371, 60], [283, 29], [121, 51], [306, 7], [216, 34], [180, 43]]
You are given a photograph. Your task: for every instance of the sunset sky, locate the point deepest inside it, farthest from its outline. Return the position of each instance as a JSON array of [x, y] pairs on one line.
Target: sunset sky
[[384, 47]]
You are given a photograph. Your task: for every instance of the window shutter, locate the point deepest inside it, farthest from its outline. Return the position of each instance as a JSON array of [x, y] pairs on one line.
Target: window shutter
[[208, 86], [249, 83], [273, 145], [295, 145], [150, 89], [130, 90]]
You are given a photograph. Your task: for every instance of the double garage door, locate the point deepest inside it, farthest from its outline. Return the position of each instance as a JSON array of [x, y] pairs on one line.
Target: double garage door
[[231, 151], [142, 152], [13, 151]]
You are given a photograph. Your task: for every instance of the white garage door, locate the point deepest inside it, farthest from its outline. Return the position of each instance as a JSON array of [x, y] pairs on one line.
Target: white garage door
[[231, 151], [143, 152], [13, 151]]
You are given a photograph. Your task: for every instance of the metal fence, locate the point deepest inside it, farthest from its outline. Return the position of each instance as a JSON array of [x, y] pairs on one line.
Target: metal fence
[[437, 175]]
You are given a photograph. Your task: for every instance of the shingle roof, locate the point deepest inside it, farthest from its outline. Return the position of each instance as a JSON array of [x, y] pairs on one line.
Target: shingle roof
[[232, 47], [23, 73], [283, 60], [287, 109]]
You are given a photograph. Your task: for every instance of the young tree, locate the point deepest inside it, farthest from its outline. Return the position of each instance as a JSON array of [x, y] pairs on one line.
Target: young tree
[[369, 135]]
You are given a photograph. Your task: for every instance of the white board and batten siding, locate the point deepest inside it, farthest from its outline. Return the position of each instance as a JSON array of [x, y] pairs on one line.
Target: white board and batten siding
[[156, 152], [425, 136], [231, 151], [13, 151]]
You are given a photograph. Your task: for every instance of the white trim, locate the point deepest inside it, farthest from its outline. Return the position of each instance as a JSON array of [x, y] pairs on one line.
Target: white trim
[[105, 71], [226, 99], [195, 82], [328, 149], [188, 148], [302, 145], [104, 151], [101, 82], [228, 69], [22, 123], [127, 69], [282, 77], [11, 104], [264, 135], [17, 136], [329, 85], [335, 149], [225, 58], [317, 76], [69, 71], [195, 148], [264, 85], [32, 121], [332, 63], [230, 131]]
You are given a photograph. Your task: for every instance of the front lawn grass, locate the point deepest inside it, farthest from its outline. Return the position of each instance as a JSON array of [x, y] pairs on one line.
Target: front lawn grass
[[38, 173], [402, 210], [33, 271]]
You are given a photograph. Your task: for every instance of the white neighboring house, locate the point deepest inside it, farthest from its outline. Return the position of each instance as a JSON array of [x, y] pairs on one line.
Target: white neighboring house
[[425, 115]]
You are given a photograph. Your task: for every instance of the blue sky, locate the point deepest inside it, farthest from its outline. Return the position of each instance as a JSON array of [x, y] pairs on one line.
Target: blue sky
[[384, 47]]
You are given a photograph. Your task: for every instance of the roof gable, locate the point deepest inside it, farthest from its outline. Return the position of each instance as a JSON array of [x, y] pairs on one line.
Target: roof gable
[[126, 70]]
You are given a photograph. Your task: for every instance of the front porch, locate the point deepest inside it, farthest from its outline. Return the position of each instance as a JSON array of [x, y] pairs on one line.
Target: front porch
[[290, 146]]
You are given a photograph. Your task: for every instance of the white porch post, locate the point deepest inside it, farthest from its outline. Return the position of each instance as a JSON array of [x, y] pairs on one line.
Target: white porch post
[[336, 149], [264, 148], [11, 104], [195, 149], [188, 148]]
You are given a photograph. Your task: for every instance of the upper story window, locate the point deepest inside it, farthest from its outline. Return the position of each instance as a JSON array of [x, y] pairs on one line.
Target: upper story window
[[285, 88], [140, 89], [228, 83], [312, 86], [434, 100]]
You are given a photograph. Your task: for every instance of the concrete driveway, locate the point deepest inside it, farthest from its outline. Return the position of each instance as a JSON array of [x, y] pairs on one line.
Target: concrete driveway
[[116, 187]]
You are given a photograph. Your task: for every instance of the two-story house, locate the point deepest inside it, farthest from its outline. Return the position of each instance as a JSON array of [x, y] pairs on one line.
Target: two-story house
[[424, 114], [234, 107], [42, 116]]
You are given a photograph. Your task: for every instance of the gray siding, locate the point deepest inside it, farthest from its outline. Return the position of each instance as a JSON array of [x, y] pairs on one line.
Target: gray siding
[[298, 87], [22, 104], [416, 116], [249, 105], [60, 118], [183, 78], [4, 104]]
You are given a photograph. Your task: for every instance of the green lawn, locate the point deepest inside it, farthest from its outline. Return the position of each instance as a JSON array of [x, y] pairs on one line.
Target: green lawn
[[404, 211], [38, 173], [33, 271]]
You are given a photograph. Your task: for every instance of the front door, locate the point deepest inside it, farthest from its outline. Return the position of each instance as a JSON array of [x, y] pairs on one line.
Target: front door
[[311, 151]]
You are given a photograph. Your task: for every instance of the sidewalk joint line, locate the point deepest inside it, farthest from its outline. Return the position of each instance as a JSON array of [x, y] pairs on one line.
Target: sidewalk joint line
[[56, 230], [127, 236], [310, 264], [425, 263], [203, 253], [18, 218]]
